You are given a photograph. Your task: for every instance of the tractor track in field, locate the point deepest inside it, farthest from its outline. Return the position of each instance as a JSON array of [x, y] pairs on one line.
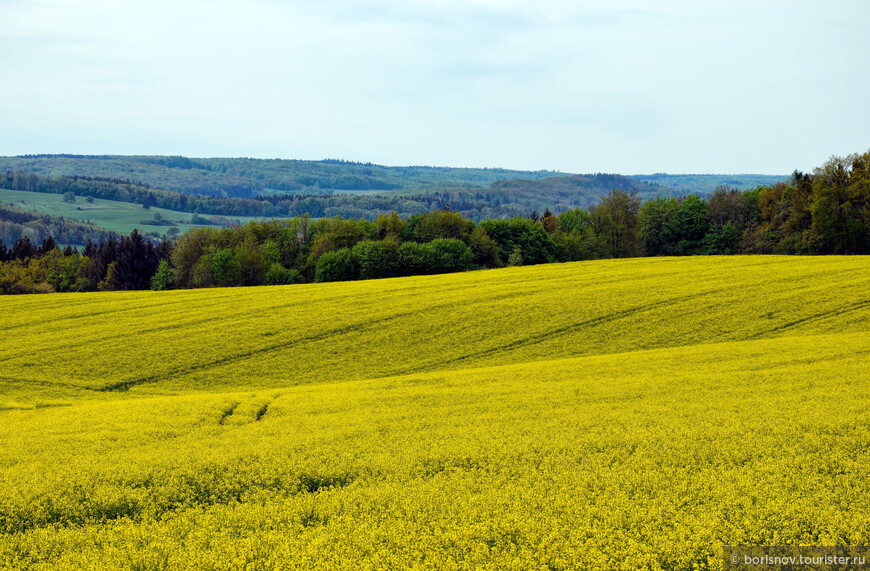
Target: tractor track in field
[[821, 316], [353, 328], [568, 329]]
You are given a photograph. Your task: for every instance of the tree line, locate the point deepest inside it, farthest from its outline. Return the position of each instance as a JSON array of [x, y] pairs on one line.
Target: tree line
[[827, 212], [114, 263]]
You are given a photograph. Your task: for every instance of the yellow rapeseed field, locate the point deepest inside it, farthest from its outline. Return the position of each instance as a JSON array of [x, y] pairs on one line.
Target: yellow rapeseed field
[[616, 414]]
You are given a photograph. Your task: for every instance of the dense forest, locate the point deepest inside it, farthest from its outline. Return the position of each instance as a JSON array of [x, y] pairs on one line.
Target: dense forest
[[827, 212], [252, 178], [246, 178], [684, 184]]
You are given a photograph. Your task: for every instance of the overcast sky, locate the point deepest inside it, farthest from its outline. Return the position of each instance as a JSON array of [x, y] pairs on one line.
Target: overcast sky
[[759, 86]]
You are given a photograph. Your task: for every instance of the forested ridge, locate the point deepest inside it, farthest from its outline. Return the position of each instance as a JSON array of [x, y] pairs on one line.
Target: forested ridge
[[246, 177], [826, 212], [502, 199]]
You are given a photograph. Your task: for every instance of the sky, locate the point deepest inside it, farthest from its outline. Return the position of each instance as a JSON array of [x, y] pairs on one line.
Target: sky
[[623, 86]]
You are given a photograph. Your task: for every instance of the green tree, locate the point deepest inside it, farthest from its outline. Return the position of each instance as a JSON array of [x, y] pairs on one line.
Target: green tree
[[279, 275], [438, 224], [688, 226], [162, 279], [376, 259], [412, 259], [617, 224], [535, 245], [336, 266], [841, 206], [226, 268], [484, 248], [448, 255], [656, 218]]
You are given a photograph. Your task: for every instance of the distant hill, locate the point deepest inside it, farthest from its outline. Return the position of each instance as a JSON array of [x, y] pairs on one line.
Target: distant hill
[[281, 188], [502, 199], [98, 216], [575, 191], [241, 177], [683, 184]]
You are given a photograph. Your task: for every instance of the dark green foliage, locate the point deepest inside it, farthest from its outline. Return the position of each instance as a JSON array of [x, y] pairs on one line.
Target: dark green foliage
[[530, 238], [720, 240], [448, 255], [688, 226], [134, 264], [376, 259], [438, 224], [656, 224], [226, 269], [336, 266], [841, 206], [413, 259], [574, 235], [22, 249], [279, 275], [484, 249]]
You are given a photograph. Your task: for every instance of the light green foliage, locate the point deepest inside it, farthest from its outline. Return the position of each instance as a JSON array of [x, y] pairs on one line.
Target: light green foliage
[[226, 268], [516, 257], [162, 280], [597, 415]]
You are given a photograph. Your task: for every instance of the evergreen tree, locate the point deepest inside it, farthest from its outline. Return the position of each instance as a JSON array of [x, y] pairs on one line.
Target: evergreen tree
[[90, 249], [48, 245], [136, 262], [163, 251], [23, 249]]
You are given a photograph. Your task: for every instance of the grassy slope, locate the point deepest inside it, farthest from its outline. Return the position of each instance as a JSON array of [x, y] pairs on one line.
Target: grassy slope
[[609, 414], [120, 217]]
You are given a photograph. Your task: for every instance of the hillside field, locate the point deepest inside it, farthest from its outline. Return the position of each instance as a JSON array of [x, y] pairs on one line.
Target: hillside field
[[614, 414], [121, 217]]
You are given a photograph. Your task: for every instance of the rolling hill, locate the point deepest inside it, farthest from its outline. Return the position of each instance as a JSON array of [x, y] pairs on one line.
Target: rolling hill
[[596, 415], [117, 216], [251, 177]]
